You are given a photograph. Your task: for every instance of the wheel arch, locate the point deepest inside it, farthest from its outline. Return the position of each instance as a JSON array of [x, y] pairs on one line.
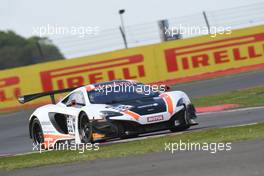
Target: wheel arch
[[177, 95]]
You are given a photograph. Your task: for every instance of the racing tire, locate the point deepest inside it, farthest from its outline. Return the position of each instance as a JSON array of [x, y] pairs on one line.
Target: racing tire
[[182, 120], [85, 129], [37, 134]]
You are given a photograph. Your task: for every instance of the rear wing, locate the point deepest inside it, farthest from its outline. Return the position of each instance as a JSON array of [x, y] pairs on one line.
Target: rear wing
[[27, 98]]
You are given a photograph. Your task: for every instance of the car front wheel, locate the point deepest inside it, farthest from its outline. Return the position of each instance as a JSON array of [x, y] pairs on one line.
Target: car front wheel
[[85, 129], [179, 122]]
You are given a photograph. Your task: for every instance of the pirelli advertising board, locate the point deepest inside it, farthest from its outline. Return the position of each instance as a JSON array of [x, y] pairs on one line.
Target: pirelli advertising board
[[172, 62]]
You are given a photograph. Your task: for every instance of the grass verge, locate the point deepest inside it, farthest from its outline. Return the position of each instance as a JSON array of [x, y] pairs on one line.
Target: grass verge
[[245, 98], [230, 134]]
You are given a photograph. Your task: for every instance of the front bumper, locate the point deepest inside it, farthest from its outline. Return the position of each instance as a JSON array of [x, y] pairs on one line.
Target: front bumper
[[110, 128]]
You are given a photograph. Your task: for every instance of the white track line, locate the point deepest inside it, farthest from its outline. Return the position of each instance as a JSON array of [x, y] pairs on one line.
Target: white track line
[[232, 110]]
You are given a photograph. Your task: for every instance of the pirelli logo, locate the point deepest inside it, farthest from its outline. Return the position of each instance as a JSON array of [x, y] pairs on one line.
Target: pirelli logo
[[204, 55], [9, 88], [130, 67]]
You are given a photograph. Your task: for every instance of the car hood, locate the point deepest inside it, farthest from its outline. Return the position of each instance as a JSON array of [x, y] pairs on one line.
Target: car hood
[[144, 106]]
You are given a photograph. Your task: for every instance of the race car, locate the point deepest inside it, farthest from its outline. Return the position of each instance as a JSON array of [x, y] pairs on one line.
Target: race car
[[107, 110]]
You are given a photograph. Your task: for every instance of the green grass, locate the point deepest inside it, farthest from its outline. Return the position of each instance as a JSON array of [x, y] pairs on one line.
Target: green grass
[[139, 147], [245, 98]]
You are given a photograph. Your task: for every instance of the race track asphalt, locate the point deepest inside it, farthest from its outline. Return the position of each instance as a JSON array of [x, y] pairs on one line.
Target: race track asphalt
[[222, 84], [244, 159], [14, 126]]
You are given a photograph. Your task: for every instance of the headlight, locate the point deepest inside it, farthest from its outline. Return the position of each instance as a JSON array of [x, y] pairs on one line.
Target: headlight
[[180, 102], [122, 107], [106, 114]]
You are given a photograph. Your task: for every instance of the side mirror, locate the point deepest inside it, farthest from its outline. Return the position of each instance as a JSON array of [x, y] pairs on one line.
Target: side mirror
[[167, 88], [71, 103]]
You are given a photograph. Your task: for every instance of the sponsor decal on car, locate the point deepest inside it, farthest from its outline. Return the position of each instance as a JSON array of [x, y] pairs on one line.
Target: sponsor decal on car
[[155, 118]]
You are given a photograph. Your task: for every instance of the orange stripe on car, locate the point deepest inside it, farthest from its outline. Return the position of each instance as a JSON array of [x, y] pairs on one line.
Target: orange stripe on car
[[132, 114], [98, 136], [168, 101], [56, 136]]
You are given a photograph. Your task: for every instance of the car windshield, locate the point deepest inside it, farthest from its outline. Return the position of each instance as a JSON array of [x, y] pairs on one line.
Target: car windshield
[[121, 93]]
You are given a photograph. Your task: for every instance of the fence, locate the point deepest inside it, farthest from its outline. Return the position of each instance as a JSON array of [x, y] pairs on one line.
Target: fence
[[149, 33]]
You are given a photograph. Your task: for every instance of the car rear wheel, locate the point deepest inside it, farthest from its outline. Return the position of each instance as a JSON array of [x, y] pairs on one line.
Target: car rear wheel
[[37, 133], [179, 122], [85, 129]]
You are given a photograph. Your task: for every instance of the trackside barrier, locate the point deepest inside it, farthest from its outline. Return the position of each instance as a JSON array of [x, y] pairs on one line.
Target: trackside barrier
[[170, 62]]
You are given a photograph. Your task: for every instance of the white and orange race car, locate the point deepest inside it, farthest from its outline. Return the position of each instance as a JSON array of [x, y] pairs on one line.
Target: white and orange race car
[[102, 111]]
